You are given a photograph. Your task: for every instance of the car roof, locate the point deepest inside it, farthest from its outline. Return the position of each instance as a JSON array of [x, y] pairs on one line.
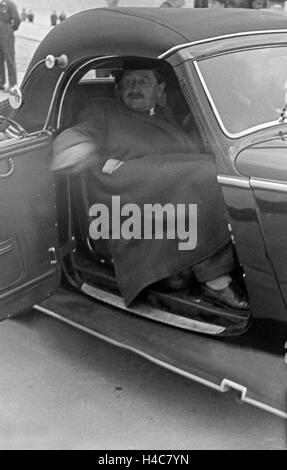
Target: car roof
[[141, 32], [148, 32]]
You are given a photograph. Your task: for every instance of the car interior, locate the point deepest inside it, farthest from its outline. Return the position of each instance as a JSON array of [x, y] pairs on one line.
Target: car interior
[[90, 267]]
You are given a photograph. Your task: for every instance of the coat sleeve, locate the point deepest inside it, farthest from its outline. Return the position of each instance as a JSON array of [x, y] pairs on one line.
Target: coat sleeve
[[79, 147], [14, 16]]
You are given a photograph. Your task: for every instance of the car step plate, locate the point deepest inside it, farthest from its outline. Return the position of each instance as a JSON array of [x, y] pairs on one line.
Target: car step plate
[[144, 310]]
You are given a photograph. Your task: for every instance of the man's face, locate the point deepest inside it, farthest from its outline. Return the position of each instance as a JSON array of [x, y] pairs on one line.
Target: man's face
[[140, 90]]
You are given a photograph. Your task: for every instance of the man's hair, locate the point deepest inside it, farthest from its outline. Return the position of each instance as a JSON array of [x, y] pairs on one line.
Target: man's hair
[[158, 67]]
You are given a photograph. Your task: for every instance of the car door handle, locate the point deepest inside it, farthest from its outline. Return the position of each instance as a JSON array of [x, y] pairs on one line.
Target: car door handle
[[11, 168]]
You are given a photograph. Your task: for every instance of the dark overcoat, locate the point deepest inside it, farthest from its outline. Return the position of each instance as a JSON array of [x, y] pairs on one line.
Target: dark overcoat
[[160, 165]]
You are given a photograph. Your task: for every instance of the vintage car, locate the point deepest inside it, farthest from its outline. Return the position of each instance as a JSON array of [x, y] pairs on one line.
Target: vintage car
[[229, 80]]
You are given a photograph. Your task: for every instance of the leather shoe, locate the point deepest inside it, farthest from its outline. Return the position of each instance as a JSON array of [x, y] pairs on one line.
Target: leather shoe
[[233, 296]]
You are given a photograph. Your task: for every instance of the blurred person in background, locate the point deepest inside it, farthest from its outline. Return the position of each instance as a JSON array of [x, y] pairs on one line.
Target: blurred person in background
[[112, 3], [275, 5], [216, 4], [54, 18], [237, 4], [258, 4], [30, 16], [9, 22], [254, 4], [23, 14], [173, 4], [62, 16], [203, 3]]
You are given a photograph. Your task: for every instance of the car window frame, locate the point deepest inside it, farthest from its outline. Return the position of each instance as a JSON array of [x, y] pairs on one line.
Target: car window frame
[[73, 75], [88, 64], [249, 130]]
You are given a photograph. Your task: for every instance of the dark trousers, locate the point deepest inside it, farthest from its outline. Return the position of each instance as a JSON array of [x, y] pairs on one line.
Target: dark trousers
[[7, 54], [221, 263]]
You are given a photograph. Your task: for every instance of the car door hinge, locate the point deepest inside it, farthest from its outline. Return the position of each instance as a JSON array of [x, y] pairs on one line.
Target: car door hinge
[[62, 251], [69, 247]]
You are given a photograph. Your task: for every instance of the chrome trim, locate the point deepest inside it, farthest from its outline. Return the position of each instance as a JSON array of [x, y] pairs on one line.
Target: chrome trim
[[4, 144], [269, 185], [233, 181], [155, 314], [71, 78], [53, 255], [11, 169], [11, 135], [217, 38], [224, 386], [227, 384], [235, 135], [52, 101]]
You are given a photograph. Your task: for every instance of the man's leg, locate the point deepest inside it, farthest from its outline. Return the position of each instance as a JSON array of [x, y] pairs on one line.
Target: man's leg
[[2, 65], [2, 71], [9, 55], [217, 285], [218, 265]]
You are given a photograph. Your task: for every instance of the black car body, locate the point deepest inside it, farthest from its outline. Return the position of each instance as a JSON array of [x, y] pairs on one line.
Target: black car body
[[218, 60]]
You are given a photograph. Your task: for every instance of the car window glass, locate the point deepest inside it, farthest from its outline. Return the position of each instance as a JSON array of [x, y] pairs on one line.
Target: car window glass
[[99, 73], [246, 88]]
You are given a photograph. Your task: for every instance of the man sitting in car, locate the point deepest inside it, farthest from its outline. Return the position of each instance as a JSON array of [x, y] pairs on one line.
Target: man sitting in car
[[132, 147]]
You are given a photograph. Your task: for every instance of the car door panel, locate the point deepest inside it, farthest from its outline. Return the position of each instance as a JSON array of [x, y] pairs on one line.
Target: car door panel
[[266, 165], [241, 206], [29, 269], [250, 246], [11, 264]]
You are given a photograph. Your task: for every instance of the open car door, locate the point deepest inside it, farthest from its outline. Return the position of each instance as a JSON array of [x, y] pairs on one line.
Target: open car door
[[29, 268]]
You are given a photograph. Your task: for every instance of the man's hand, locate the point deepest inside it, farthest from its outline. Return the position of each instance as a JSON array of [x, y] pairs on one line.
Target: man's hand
[[73, 152]]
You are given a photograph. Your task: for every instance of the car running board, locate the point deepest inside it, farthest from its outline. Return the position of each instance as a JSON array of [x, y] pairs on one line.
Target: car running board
[[170, 307], [144, 310], [246, 366]]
